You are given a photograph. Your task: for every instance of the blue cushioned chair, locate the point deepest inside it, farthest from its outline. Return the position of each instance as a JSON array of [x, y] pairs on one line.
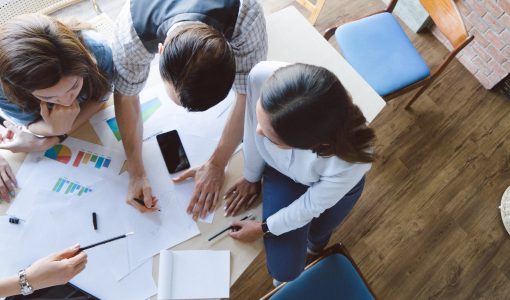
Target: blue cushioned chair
[[380, 51], [332, 276]]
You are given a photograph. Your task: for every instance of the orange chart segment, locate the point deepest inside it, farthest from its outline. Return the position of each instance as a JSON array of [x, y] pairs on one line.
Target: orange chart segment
[[60, 153]]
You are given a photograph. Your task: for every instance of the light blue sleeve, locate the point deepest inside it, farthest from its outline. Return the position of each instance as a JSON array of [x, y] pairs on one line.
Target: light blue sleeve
[[103, 54], [16, 113]]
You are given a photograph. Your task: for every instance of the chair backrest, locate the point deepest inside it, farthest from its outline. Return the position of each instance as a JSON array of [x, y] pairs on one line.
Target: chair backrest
[[305, 285], [448, 20]]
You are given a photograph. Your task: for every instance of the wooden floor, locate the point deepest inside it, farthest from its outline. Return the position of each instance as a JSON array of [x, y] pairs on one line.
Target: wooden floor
[[428, 224]]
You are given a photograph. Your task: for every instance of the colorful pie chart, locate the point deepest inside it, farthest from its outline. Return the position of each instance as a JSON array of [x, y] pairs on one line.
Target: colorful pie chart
[[60, 153]]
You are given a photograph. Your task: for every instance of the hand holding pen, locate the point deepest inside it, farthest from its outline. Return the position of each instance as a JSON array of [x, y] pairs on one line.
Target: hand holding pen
[[232, 227]]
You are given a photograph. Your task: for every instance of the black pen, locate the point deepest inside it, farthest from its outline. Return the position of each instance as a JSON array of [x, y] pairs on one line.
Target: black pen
[[140, 201], [230, 227], [106, 241], [94, 220]]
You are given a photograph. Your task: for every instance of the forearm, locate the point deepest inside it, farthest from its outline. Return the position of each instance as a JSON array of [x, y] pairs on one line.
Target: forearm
[[42, 128], [9, 286], [231, 135], [41, 143], [87, 110], [127, 112]]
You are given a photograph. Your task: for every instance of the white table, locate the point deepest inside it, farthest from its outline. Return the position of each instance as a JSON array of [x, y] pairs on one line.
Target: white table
[[291, 39]]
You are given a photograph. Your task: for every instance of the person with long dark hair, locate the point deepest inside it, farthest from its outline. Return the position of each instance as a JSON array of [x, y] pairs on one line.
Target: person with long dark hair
[[308, 147]]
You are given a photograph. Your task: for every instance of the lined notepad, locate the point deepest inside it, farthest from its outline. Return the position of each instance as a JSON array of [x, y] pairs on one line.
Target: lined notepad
[[194, 274]]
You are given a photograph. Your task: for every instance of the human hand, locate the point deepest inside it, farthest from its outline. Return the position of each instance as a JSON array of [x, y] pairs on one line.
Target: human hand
[[57, 268], [8, 181], [208, 181], [61, 118], [140, 189], [241, 193], [16, 140], [246, 231]]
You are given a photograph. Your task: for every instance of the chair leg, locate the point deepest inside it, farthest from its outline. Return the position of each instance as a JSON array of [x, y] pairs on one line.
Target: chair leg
[[415, 97]]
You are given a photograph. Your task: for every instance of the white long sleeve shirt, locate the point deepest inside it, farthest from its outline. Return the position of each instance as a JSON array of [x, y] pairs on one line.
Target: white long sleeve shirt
[[328, 178]]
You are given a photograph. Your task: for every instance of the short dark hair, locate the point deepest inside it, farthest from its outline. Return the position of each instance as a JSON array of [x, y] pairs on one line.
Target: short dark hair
[[199, 62], [310, 109]]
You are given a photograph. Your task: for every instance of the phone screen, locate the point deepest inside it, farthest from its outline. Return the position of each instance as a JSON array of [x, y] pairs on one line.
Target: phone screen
[[173, 152]]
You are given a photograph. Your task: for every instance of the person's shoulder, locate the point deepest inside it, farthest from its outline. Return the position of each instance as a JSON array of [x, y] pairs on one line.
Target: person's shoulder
[[263, 70], [100, 48]]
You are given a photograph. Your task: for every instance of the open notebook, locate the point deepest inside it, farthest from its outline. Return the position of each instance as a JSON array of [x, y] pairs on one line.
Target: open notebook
[[194, 274]]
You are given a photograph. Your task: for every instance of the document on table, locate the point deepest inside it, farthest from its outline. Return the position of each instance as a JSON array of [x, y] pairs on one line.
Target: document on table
[[198, 151], [194, 274]]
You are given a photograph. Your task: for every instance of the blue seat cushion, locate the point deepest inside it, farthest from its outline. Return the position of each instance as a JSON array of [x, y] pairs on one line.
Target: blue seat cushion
[[334, 277], [380, 51]]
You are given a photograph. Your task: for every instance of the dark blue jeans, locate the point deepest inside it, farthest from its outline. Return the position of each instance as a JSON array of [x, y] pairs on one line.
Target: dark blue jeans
[[286, 253]]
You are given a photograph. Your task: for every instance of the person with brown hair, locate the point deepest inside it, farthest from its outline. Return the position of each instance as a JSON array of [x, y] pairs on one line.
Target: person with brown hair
[[308, 147], [54, 77], [206, 48]]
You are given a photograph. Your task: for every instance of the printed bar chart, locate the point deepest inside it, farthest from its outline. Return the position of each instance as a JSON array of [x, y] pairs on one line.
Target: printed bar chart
[[85, 158], [148, 109], [65, 186]]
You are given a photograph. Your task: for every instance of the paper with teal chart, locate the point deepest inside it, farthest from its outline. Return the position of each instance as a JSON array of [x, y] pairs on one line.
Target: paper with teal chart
[[49, 186], [73, 157], [154, 104], [160, 114], [148, 109]]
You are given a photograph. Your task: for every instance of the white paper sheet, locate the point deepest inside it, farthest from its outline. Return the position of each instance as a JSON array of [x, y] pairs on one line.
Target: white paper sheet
[[154, 231], [10, 236], [44, 187], [45, 234], [139, 284], [198, 151], [79, 228], [194, 274], [154, 104], [162, 115]]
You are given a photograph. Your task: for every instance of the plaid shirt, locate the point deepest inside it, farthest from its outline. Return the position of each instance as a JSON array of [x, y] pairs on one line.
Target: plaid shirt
[[132, 60]]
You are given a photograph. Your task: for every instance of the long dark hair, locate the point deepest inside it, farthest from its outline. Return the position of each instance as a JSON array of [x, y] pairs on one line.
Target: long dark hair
[[310, 109], [36, 51]]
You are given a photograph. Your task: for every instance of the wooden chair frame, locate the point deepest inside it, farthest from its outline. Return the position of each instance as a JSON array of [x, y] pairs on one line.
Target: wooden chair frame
[[337, 248], [458, 37], [314, 9]]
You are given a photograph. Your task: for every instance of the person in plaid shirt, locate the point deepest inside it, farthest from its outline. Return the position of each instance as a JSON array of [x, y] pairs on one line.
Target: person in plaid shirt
[[206, 47]]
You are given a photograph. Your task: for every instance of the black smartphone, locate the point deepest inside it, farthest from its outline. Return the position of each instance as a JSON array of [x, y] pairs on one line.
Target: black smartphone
[[173, 152]]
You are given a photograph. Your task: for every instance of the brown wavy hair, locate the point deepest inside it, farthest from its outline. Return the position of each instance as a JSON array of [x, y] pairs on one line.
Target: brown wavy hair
[[309, 108], [36, 51]]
